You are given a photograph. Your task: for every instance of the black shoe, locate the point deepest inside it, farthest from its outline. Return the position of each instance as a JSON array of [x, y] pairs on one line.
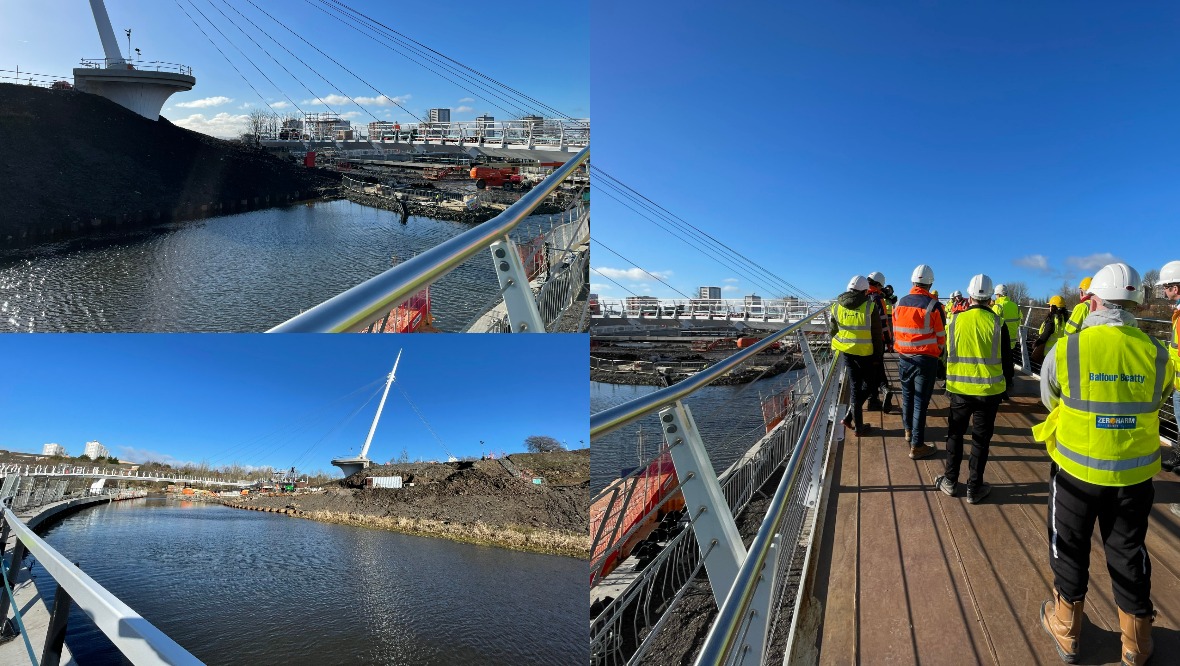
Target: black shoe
[[1169, 460], [873, 406], [976, 496], [946, 485], [863, 429], [847, 422]]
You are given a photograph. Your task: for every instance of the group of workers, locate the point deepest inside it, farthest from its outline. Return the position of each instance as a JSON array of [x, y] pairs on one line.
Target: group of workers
[[1103, 381]]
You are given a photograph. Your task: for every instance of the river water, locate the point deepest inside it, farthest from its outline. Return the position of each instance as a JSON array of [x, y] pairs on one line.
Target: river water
[[729, 418], [245, 587], [245, 272]]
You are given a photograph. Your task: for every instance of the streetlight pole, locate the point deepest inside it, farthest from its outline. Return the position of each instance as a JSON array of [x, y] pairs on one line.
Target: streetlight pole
[[128, 31]]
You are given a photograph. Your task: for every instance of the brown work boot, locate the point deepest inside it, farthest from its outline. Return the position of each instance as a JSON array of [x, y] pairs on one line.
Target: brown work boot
[[907, 435], [1063, 621], [1136, 638], [921, 451]]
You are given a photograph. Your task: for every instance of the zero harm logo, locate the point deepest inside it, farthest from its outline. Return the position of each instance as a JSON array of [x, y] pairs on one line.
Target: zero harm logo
[[1115, 422]]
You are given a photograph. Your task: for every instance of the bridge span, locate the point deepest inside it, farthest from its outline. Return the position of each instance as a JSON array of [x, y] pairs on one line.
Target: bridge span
[[818, 547]]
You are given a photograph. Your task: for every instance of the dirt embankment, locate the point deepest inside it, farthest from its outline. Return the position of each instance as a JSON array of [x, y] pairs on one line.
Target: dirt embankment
[[477, 502], [74, 162]]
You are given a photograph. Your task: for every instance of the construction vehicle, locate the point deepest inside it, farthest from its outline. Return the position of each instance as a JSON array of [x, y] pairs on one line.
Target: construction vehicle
[[506, 177]]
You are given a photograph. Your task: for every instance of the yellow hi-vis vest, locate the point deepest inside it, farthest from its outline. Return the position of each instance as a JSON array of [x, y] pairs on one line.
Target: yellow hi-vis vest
[[1057, 334], [1112, 381], [1076, 317], [1010, 313], [973, 364], [855, 335]]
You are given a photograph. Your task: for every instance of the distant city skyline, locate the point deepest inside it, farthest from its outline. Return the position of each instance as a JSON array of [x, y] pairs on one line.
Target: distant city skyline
[[47, 45]]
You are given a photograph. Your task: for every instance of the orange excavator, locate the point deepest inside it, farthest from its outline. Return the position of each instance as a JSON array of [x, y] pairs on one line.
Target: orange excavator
[[506, 177]]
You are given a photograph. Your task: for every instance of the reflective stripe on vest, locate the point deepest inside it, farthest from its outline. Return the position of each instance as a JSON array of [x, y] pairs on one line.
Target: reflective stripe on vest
[[1010, 312], [854, 334], [1112, 380], [968, 370], [921, 340], [1076, 317]]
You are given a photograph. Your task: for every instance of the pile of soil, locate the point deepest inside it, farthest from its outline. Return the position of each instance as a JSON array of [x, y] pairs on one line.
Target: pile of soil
[[483, 493], [73, 161]]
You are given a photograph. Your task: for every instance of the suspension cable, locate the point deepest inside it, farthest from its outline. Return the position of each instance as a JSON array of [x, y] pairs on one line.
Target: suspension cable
[[231, 63]]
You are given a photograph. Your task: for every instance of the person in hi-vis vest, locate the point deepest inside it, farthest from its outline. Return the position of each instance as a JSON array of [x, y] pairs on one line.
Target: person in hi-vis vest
[[856, 334], [1104, 386]]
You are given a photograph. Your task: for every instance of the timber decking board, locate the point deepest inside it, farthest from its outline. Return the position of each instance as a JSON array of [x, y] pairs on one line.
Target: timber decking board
[[907, 574]]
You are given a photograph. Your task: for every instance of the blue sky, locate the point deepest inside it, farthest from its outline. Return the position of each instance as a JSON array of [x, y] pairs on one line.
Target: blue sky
[[283, 400], [514, 44], [1033, 142]]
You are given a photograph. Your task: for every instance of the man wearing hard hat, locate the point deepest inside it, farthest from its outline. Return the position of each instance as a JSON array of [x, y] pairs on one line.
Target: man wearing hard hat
[[1078, 315], [1170, 282], [919, 338], [856, 334], [1051, 330], [979, 370], [1104, 387], [1009, 312]]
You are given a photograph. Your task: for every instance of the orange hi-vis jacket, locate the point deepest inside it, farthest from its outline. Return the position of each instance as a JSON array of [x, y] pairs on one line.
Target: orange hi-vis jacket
[[918, 326]]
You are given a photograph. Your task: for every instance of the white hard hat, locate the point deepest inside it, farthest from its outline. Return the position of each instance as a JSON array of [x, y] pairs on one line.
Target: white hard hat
[[956, 294], [858, 283], [1170, 273], [980, 287], [1117, 282], [1001, 290], [923, 274], [877, 276]]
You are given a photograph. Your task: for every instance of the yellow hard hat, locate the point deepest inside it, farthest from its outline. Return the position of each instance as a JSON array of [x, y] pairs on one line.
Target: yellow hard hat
[[1084, 284], [1058, 301], [934, 293]]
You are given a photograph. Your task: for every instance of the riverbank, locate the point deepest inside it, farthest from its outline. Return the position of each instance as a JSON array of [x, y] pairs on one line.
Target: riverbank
[[487, 502], [75, 163], [423, 207]]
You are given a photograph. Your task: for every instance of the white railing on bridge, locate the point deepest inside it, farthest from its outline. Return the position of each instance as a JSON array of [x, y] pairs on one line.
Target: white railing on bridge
[[146, 66], [544, 133], [778, 310], [110, 473], [136, 638], [750, 586]]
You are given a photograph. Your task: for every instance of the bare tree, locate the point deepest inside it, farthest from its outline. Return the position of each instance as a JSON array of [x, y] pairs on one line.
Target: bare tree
[[1150, 279], [1017, 292], [542, 444], [258, 121]]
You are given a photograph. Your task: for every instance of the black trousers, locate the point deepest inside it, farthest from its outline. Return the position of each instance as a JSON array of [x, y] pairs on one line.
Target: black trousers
[[1121, 513], [875, 381], [860, 373], [980, 413]]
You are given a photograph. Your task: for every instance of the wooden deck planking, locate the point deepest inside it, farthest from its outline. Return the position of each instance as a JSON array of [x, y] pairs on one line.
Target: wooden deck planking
[[910, 575]]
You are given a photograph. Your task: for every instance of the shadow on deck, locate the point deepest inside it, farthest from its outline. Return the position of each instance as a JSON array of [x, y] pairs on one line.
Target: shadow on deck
[[907, 574]]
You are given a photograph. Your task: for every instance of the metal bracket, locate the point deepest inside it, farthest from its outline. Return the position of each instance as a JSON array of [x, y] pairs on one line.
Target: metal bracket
[[523, 315], [712, 522], [809, 361]]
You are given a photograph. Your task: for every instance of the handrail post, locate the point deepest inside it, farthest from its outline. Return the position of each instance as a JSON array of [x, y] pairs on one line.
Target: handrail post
[[809, 362], [55, 634], [18, 554], [523, 315], [712, 522], [1025, 362]]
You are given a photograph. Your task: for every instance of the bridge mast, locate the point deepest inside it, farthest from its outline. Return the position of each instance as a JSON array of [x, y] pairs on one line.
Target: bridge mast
[[377, 417], [110, 45]]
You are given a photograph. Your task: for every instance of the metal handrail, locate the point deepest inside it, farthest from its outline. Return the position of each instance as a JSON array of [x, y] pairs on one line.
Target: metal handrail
[[720, 639], [138, 640], [369, 301], [610, 419]]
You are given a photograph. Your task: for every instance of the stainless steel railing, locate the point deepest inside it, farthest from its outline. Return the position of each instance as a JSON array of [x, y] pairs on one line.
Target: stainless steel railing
[[368, 302], [131, 634]]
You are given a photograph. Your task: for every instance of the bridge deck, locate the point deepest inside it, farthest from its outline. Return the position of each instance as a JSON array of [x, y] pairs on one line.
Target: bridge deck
[[910, 575]]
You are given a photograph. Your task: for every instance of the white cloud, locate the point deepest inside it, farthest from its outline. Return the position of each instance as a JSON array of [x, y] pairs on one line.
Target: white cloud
[[223, 125], [729, 287], [1036, 262], [280, 105], [350, 114], [1092, 262], [464, 109], [467, 99], [382, 100], [132, 454], [731, 280], [631, 273], [599, 288], [205, 103]]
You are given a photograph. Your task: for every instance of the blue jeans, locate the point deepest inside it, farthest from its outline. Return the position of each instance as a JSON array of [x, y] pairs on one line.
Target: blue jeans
[[917, 375]]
